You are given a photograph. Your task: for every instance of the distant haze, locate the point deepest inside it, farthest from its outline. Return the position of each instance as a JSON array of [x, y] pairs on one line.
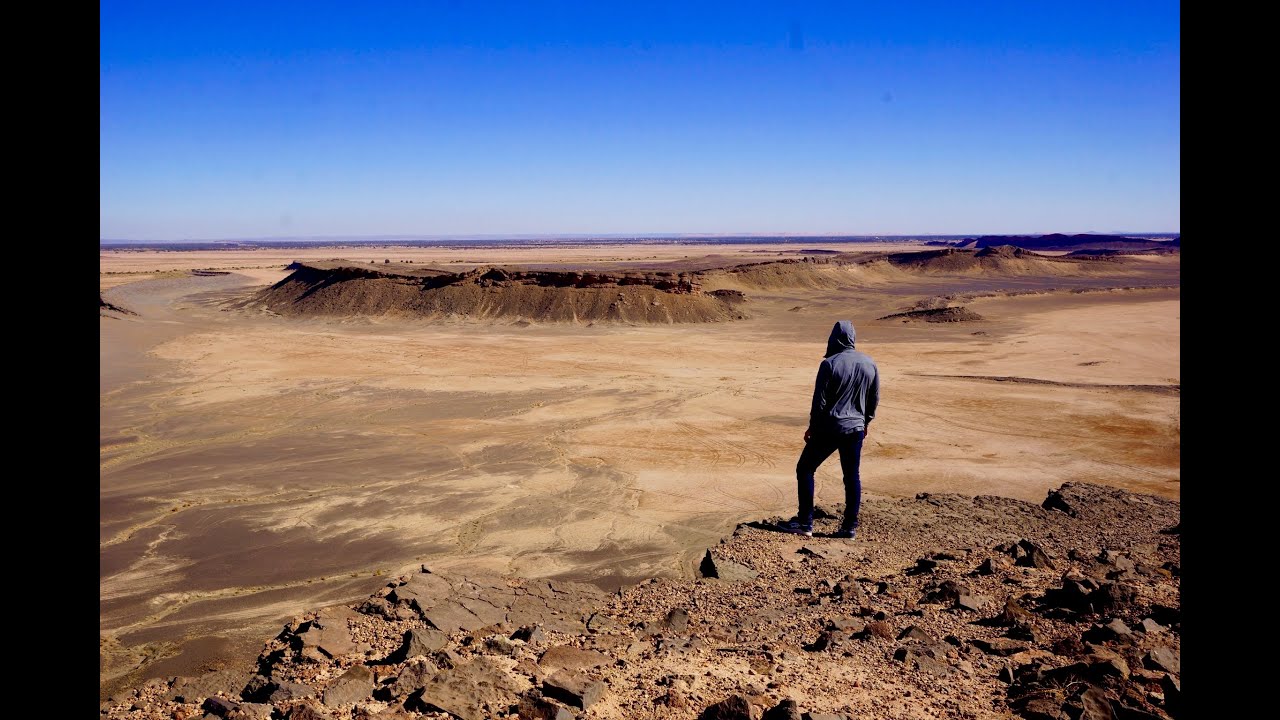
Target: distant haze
[[552, 239], [235, 120]]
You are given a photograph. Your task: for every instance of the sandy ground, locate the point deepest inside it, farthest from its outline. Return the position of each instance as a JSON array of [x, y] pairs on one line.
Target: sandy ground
[[256, 466]]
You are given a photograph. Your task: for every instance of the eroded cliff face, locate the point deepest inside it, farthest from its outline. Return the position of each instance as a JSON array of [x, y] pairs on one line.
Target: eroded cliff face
[[341, 289], [498, 294]]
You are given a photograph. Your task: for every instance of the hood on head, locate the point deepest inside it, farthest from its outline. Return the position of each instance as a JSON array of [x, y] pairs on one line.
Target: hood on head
[[841, 339]]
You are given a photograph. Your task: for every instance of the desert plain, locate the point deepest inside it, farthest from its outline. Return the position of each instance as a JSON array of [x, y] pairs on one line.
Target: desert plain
[[258, 462]]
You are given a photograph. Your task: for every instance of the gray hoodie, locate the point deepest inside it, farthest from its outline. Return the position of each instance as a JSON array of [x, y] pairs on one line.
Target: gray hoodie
[[848, 386]]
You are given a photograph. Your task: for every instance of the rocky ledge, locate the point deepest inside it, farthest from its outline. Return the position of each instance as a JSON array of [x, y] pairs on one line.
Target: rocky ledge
[[944, 606]]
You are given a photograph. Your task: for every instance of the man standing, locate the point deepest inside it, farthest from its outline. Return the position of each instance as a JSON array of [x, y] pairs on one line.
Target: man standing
[[844, 403]]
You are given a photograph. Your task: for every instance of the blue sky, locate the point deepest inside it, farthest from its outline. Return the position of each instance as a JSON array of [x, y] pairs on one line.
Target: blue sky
[[224, 120]]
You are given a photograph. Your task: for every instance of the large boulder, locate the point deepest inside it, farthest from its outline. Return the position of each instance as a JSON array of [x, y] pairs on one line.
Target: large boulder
[[734, 707], [785, 710], [1032, 555], [352, 686], [329, 634], [724, 569], [1114, 598], [573, 688], [568, 657], [1043, 704], [533, 707], [413, 677], [925, 657], [309, 711], [1163, 658], [284, 691], [196, 689], [474, 690], [422, 591], [419, 642]]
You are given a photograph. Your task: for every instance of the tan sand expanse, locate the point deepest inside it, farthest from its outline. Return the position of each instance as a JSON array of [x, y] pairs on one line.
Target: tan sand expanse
[[253, 466], [153, 261]]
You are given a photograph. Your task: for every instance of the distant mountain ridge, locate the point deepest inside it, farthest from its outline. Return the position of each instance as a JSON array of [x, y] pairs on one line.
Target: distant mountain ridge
[[1058, 241]]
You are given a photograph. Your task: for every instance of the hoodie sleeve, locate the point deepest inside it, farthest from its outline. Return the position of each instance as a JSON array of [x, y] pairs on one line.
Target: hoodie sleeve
[[873, 394], [819, 405]]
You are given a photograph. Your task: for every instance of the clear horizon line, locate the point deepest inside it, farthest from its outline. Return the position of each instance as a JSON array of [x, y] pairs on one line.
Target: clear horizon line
[[607, 236]]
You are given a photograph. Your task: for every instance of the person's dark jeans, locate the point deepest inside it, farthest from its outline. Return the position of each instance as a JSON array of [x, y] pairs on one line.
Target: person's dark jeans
[[818, 449]]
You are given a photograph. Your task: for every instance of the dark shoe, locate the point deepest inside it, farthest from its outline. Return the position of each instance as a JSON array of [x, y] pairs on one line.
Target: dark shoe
[[846, 533], [795, 527]]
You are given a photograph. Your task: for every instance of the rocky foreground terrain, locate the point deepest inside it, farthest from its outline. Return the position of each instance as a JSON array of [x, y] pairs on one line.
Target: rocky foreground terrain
[[944, 607]]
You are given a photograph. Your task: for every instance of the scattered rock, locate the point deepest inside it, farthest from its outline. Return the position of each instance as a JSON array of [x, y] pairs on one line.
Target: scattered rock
[[422, 591], [412, 678], [735, 707], [1151, 627], [451, 617], [1113, 631], [1041, 705], [530, 634], [936, 315], [954, 594], [533, 707], [1056, 501], [333, 639], [993, 566], [568, 657], [283, 692], [1068, 647], [923, 565], [677, 620], [880, 629], [1095, 705], [418, 642], [1000, 646], [500, 644], [926, 658], [972, 602], [946, 592], [850, 590], [1113, 598], [351, 687], [219, 706], [1013, 614], [724, 569], [826, 639], [1172, 688], [1167, 616], [784, 710], [253, 711], [1034, 556], [308, 711], [846, 626], [1028, 632], [258, 689], [1118, 628], [573, 645], [474, 690], [913, 632], [1104, 663], [1163, 658], [196, 689], [573, 688]]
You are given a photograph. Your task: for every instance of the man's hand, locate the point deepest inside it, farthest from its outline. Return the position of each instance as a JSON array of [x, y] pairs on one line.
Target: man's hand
[[807, 434], [865, 432]]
